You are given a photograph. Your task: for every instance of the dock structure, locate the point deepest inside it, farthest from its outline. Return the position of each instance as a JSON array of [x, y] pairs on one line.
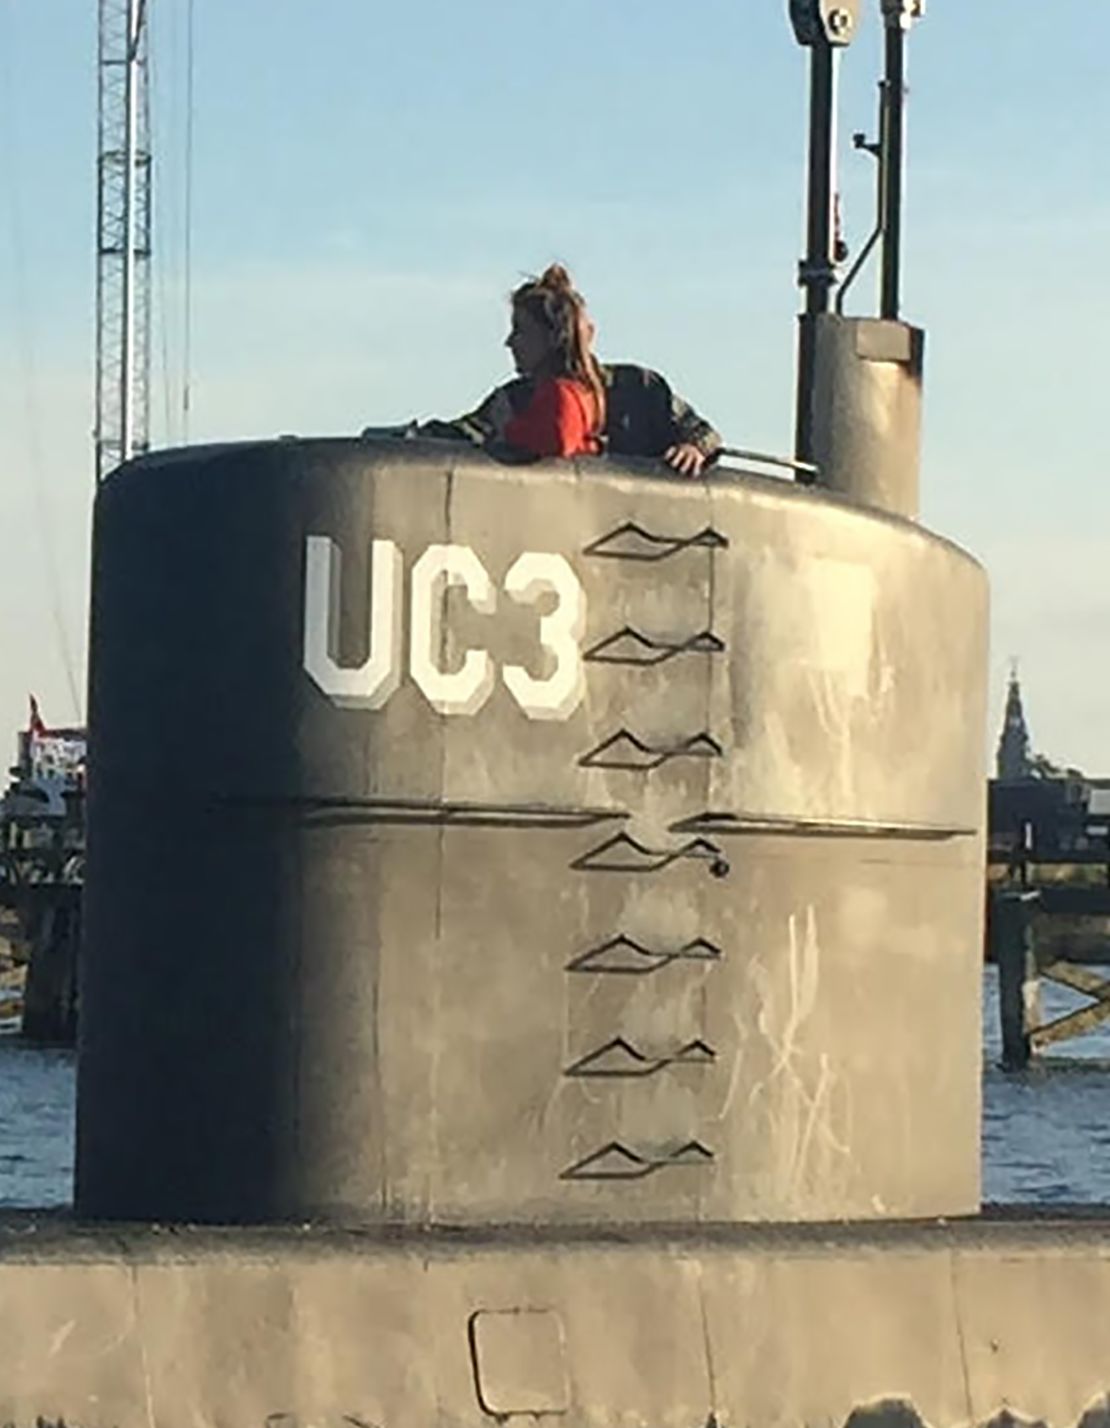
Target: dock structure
[[1026, 958], [12, 967], [1048, 889], [1048, 931], [42, 867], [38, 985]]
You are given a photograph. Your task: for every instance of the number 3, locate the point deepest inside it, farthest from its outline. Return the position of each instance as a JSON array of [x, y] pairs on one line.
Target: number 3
[[531, 576]]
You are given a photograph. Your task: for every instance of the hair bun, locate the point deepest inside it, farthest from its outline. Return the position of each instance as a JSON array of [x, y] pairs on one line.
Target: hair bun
[[556, 276]]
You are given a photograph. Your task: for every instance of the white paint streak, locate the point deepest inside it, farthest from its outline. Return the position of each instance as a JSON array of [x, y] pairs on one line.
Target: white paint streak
[[800, 1086]]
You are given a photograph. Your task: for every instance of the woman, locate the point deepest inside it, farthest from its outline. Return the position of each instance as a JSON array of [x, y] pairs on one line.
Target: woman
[[550, 339], [637, 413]]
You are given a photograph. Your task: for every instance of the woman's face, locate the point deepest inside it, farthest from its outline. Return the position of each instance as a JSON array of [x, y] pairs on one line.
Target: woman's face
[[528, 341]]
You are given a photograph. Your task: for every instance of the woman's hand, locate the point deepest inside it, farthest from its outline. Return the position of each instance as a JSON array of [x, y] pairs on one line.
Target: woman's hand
[[686, 459]]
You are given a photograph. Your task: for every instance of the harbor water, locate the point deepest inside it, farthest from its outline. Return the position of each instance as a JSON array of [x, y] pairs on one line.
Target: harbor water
[[1046, 1132]]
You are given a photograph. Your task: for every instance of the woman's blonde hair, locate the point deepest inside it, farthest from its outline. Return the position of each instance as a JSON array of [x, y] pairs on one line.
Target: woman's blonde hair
[[555, 304]]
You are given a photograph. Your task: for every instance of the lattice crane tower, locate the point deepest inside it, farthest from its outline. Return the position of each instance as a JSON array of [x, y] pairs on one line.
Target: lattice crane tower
[[123, 236]]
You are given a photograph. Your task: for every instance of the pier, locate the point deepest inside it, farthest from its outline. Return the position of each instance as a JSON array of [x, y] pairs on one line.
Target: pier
[[1045, 929], [1048, 907], [39, 942], [42, 868]]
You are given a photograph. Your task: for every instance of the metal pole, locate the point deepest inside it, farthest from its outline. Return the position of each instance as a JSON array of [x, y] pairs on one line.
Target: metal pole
[[892, 167], [817, 272], [130, 160]]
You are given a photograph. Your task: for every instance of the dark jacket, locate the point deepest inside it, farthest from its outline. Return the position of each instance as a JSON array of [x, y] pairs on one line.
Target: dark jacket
[[643, 415]]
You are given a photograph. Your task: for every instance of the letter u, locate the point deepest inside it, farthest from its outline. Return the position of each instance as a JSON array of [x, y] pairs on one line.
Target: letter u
[[367, 685]]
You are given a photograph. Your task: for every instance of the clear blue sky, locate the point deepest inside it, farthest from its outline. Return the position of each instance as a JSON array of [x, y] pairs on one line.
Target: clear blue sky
[[370, 180]]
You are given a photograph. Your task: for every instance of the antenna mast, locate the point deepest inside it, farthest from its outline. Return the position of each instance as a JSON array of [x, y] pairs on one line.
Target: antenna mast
[[123, 236]]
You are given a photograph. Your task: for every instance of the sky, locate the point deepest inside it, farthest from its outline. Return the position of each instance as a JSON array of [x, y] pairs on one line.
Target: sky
[[368, 182]]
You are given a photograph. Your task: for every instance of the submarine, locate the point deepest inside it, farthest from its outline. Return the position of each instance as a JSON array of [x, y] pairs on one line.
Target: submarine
[[554, 995]]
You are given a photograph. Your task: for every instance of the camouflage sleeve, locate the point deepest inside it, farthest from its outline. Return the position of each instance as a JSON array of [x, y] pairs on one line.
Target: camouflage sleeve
[[482, 425], [691, 428]]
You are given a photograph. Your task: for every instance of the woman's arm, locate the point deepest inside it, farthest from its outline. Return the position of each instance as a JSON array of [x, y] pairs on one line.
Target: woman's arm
[[487, 422]]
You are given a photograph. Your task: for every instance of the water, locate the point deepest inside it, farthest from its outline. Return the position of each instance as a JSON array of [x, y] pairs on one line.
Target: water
[[1046, 1133], [36, 1124]]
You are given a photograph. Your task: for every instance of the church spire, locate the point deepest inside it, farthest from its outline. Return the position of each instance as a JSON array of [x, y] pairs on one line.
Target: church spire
[[1014, 759]]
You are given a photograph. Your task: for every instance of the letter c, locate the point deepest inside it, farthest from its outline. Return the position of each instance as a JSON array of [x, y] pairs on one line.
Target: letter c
[[463, 690]]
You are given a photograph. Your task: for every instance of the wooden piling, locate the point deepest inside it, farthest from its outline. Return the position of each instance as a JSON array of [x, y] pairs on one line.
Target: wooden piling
[[1018, 980], [50, 995]]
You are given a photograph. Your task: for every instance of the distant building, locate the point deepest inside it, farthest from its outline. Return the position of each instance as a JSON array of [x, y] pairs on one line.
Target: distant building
[[48, 774], [42, 821], [1034, 805], [1014, 757]]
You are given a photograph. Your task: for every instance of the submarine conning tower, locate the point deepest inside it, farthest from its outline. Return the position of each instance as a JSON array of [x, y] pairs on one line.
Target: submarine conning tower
[[473, 845]]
